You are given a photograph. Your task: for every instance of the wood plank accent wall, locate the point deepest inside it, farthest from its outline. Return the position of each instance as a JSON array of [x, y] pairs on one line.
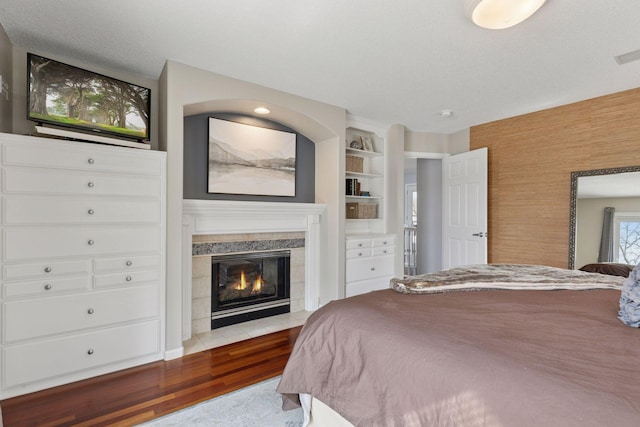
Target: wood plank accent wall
[[531, 158]]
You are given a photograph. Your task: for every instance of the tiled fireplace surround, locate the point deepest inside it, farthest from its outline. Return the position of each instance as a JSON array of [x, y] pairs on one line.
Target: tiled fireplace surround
[[205, 246], [239, 227]]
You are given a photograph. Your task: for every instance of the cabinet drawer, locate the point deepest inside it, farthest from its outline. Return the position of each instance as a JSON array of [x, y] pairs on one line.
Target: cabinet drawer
[[126, 278], [383, 241], [41, 210], [367, 268], [364, 286], [358, 253], [382, 250], [103, 265], [45, 287], [78, 241], [46, 269], [60, 182], [57, 156], [26, 319], [26, 363], [358, 243]]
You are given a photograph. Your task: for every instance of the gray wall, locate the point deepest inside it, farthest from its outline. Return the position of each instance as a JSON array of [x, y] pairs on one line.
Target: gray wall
[[196, 140], [429, 186], [6, 73]]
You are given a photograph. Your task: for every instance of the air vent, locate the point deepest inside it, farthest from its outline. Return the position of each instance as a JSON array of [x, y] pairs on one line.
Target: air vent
[[625, 58]]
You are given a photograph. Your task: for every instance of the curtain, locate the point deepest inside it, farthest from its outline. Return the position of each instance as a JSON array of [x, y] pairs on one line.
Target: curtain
[[606, 240]]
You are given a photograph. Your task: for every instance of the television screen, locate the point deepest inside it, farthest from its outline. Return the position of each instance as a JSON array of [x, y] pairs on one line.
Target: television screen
[[64, 95]]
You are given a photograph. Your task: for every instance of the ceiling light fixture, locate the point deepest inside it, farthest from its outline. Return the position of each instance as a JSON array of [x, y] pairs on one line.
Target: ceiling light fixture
[[261, 110], [499, 14]]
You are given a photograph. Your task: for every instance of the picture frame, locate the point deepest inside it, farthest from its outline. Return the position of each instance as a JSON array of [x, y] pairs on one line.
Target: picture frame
[[251, 160], [367, 143]]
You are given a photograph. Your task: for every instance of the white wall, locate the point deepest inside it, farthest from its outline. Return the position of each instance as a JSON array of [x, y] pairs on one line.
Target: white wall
[[187, 90]]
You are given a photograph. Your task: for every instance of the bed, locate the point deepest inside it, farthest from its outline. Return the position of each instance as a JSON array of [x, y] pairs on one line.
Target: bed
[[474, 351]]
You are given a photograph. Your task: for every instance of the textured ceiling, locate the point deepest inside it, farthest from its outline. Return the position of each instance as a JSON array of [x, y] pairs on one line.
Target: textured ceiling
[[390, 61]]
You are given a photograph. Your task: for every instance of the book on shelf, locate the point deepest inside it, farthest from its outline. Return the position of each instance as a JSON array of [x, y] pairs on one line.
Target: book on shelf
[[352, 187]]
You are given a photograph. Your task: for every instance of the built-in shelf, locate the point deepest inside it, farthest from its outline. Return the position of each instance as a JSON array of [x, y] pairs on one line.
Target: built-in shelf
[[363, 153], [364, 197], [350, 174]]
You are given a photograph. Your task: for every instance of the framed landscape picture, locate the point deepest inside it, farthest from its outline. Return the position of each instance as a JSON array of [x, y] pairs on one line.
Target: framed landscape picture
[[248, 159]]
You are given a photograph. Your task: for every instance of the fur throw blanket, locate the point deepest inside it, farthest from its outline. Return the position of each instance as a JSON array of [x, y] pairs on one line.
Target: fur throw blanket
[[504, 276]]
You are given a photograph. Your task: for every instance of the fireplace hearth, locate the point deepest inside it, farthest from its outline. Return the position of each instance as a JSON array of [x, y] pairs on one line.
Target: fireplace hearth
[[249, 286]]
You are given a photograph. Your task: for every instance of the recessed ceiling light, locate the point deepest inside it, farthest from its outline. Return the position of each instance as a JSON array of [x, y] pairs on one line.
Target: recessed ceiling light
[[262, 110], [499, 14], [446, 113]]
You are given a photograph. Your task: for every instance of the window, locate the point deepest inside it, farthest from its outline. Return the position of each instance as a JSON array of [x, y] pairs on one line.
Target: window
[[627, 234]]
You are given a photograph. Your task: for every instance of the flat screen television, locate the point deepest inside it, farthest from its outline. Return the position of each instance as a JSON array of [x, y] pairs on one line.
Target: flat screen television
[[70, 97]]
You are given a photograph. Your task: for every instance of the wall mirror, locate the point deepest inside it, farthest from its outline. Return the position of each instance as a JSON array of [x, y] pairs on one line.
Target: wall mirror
[[591, 192]]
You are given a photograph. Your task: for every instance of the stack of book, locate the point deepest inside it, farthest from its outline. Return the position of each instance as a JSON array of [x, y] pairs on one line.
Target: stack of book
[[353, 187]]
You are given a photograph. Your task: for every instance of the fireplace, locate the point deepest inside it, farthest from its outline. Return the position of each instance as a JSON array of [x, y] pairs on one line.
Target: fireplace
[[249, 286]]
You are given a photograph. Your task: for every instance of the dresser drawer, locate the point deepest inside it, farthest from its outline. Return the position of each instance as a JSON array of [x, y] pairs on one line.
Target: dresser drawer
[[358, 253], [43, 210], [27, 363], [45, 287], [104, 265], [46, 269], [78, 158], [78, 241], [367, 268], [364, 286], [358, 243], [32, 318], [126, 278], [382, 250], [383, 241], [61, 182]]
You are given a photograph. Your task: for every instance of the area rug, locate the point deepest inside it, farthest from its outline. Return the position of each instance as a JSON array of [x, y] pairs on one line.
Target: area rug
[[253, 406]]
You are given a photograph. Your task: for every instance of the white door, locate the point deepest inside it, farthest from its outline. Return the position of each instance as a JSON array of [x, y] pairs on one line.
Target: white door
[[464, 234]]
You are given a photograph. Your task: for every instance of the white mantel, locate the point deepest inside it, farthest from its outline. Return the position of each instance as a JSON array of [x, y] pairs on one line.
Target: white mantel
[[202, 217]]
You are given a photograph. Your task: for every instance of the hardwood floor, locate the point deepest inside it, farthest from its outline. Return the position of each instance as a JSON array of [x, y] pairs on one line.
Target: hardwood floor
[[140, 394]]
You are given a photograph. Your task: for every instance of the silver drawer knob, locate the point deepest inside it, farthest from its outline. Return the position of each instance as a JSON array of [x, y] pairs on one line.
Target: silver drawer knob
[[47, 269], [359, 253], [90, 351], [129, 263], [90, 184], [90, 242], [90, 211], [359, 245], [47, 287], [90, 311], [384, 243], [384, 252], [91, 161], [128, 278], [373, 269]]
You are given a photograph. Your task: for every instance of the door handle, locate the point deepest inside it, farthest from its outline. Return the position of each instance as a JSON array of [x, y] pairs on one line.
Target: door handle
[[480, 234]]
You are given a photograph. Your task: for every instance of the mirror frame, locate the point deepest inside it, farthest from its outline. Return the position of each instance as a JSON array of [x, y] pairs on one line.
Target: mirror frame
[[573, 201]]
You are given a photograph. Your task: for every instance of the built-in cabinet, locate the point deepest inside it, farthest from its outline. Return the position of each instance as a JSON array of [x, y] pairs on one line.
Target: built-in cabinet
[[369, 245], [370, 263], [83, 237]]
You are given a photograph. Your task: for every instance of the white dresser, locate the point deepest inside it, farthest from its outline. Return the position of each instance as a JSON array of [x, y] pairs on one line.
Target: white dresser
[[83, 237], [370, 261]]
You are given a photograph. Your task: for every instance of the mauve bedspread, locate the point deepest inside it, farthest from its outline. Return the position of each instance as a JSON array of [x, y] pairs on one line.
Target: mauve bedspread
[[478, 358]]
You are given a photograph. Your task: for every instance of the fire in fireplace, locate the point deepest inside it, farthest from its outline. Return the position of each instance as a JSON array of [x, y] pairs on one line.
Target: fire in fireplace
[[249, 286]]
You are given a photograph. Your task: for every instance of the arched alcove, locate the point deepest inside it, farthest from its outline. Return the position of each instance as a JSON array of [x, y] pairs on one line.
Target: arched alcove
[[188, 91]]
